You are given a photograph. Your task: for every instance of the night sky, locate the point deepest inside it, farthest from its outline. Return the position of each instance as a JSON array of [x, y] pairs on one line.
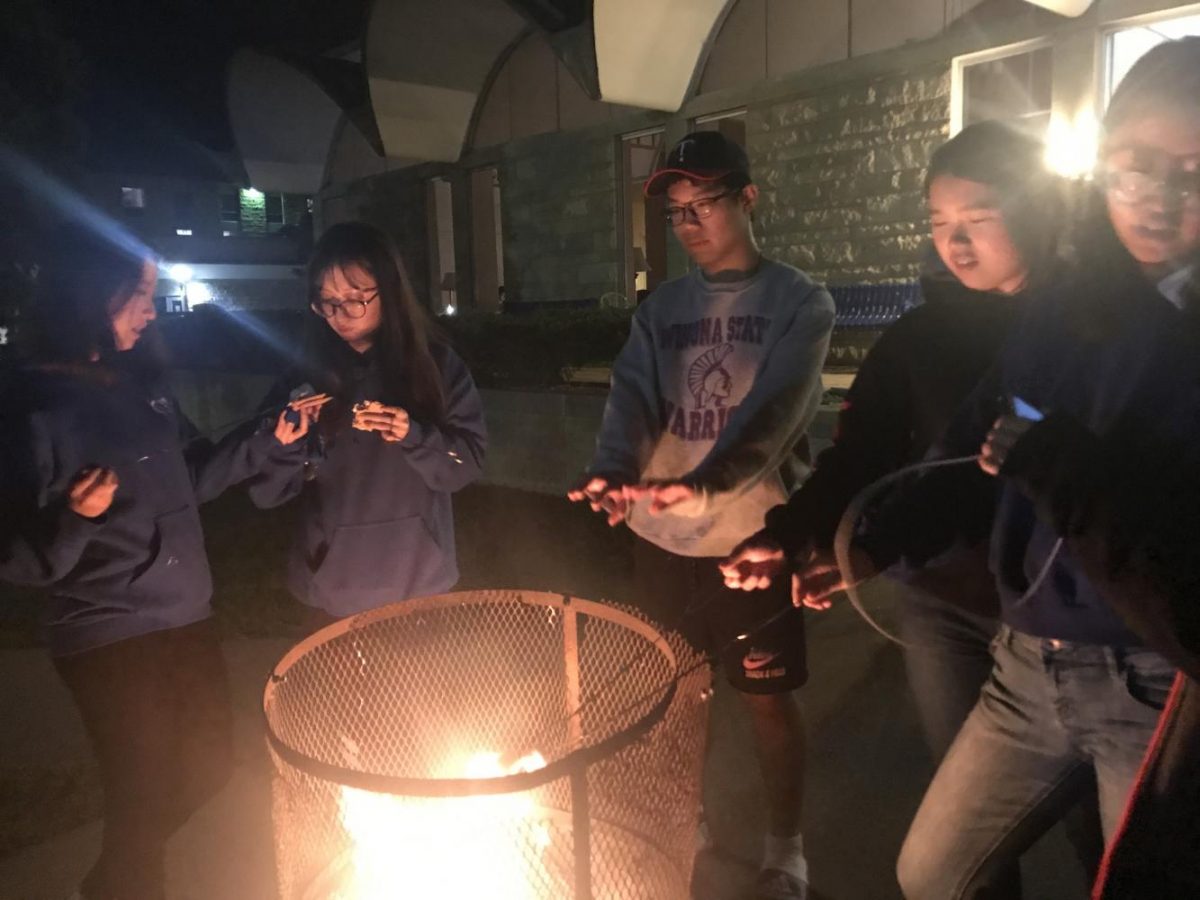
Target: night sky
[[151, 67]]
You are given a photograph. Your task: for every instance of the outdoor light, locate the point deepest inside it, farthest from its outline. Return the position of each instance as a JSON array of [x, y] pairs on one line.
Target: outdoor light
[[253, 193], [180, 272], [1071, 145], [450, 283], [197, 292], [183, 232]]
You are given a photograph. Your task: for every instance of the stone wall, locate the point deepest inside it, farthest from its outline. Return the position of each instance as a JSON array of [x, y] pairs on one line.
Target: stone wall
[[559, 210], [841, 175], [394, 201], [840, 166]]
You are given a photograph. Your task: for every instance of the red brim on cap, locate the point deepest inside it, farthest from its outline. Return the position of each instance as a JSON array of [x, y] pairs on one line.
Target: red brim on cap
[[657, 183]]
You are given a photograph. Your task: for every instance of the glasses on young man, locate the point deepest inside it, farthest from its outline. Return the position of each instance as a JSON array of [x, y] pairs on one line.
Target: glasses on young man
[[698, 209], [352, 309], [1134, 186]]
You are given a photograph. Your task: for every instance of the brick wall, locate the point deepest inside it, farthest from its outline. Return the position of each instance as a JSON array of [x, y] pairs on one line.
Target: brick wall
[[558, 198], [394, 201], [841, 175]]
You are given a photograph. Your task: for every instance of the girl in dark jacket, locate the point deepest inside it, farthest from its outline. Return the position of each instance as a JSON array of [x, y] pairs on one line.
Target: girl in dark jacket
[[102, 477], [404, 431], [1085, 659], [995, 214]]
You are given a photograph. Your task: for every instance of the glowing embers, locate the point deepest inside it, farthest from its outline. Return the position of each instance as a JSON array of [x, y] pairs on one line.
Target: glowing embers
[[402, 741], [456, 848]]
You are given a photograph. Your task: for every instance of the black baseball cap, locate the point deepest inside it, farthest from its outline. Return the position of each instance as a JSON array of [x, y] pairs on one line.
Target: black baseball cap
[[701, 156]]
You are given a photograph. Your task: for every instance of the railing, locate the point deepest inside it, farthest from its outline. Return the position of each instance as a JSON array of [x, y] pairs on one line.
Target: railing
[[873, 305]]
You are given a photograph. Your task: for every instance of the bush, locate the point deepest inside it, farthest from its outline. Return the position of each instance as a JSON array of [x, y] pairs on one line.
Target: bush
[[527, 351]]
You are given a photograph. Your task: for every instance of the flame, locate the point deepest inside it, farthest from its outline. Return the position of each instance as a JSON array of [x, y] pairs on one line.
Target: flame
[[461, 848]]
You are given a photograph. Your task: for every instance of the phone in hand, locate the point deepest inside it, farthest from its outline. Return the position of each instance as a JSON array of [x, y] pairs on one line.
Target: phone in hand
[[1026, 410], [291, 415]]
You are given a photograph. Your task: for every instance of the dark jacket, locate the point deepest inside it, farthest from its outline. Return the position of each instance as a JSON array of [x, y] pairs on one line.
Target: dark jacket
[[907, 390], [1101, 355], [141, 567], [376, 522]]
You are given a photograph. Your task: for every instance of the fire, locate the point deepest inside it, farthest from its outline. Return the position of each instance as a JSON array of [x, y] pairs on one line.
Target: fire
[[460, 848]]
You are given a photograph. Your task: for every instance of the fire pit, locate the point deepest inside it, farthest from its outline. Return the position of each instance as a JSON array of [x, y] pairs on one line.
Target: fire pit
[[499, 744]]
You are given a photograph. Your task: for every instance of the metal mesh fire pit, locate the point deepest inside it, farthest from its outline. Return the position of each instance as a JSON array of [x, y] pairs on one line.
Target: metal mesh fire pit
[[499, 744]]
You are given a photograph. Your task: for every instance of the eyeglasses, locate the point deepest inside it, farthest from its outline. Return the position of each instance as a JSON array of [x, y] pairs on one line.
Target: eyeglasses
[[352, 309], [699, 209], [1133, 186]]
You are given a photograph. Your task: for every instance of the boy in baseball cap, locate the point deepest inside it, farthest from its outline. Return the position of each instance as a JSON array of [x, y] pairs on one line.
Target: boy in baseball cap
[[711, 397]]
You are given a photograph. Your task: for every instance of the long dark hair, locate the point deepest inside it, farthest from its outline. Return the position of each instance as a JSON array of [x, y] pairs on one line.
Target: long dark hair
[[1032, 198], [403, 342], [84, 277]]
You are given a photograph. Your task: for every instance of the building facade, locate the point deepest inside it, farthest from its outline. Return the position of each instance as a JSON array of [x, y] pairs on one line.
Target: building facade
[[219, 242], [839, 104]]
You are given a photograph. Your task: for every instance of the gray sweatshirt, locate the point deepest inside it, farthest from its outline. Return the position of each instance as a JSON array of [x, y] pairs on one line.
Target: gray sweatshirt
[[716, 385]]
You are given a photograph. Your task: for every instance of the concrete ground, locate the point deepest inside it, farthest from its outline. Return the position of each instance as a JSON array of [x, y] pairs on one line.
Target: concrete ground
[[867, 769]]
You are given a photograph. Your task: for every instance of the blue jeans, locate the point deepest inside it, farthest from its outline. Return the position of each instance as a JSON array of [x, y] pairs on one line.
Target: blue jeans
[[1052, 718], [948, 660]]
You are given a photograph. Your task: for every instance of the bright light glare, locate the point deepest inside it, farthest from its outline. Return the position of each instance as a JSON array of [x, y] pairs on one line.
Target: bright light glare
[[460, 848], [252, 193], [1071, 146], [198, 292], [183, 232], [451, 309], [180, 272]]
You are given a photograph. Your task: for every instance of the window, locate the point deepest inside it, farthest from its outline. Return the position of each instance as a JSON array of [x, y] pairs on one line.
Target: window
[[133, 198], [443, 283], [1010, 84], [274, 211], [1127, 44], [487, 237], [184, 213], [645, 225], [231, 212], [731, 124]]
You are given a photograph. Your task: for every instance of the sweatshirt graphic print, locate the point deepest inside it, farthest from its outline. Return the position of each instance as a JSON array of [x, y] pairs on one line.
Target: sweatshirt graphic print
[[717, 384]]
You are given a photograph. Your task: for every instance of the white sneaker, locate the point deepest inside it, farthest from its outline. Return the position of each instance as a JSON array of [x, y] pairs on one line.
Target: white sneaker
[[776, 884]]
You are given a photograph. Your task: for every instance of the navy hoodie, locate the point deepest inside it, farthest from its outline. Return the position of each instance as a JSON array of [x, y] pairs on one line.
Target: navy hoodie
[[376, 522], [141, 567], [1102, 355]]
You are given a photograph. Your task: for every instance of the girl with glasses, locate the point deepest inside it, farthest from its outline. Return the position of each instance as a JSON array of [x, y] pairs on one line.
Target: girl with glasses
[[404, 431]]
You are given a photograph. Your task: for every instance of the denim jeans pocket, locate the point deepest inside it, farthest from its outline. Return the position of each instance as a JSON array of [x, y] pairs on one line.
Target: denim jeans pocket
[[1148, 678]]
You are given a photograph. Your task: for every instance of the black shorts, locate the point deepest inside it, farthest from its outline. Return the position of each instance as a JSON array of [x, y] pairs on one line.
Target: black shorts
[[688, 594]]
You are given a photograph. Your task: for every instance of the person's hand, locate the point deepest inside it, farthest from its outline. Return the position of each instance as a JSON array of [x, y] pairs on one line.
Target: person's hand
[[391, 422], [91, 493], [815, 583], [1005, 433], [754, 563], [664, 495], [293, 423], [603, 494]]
